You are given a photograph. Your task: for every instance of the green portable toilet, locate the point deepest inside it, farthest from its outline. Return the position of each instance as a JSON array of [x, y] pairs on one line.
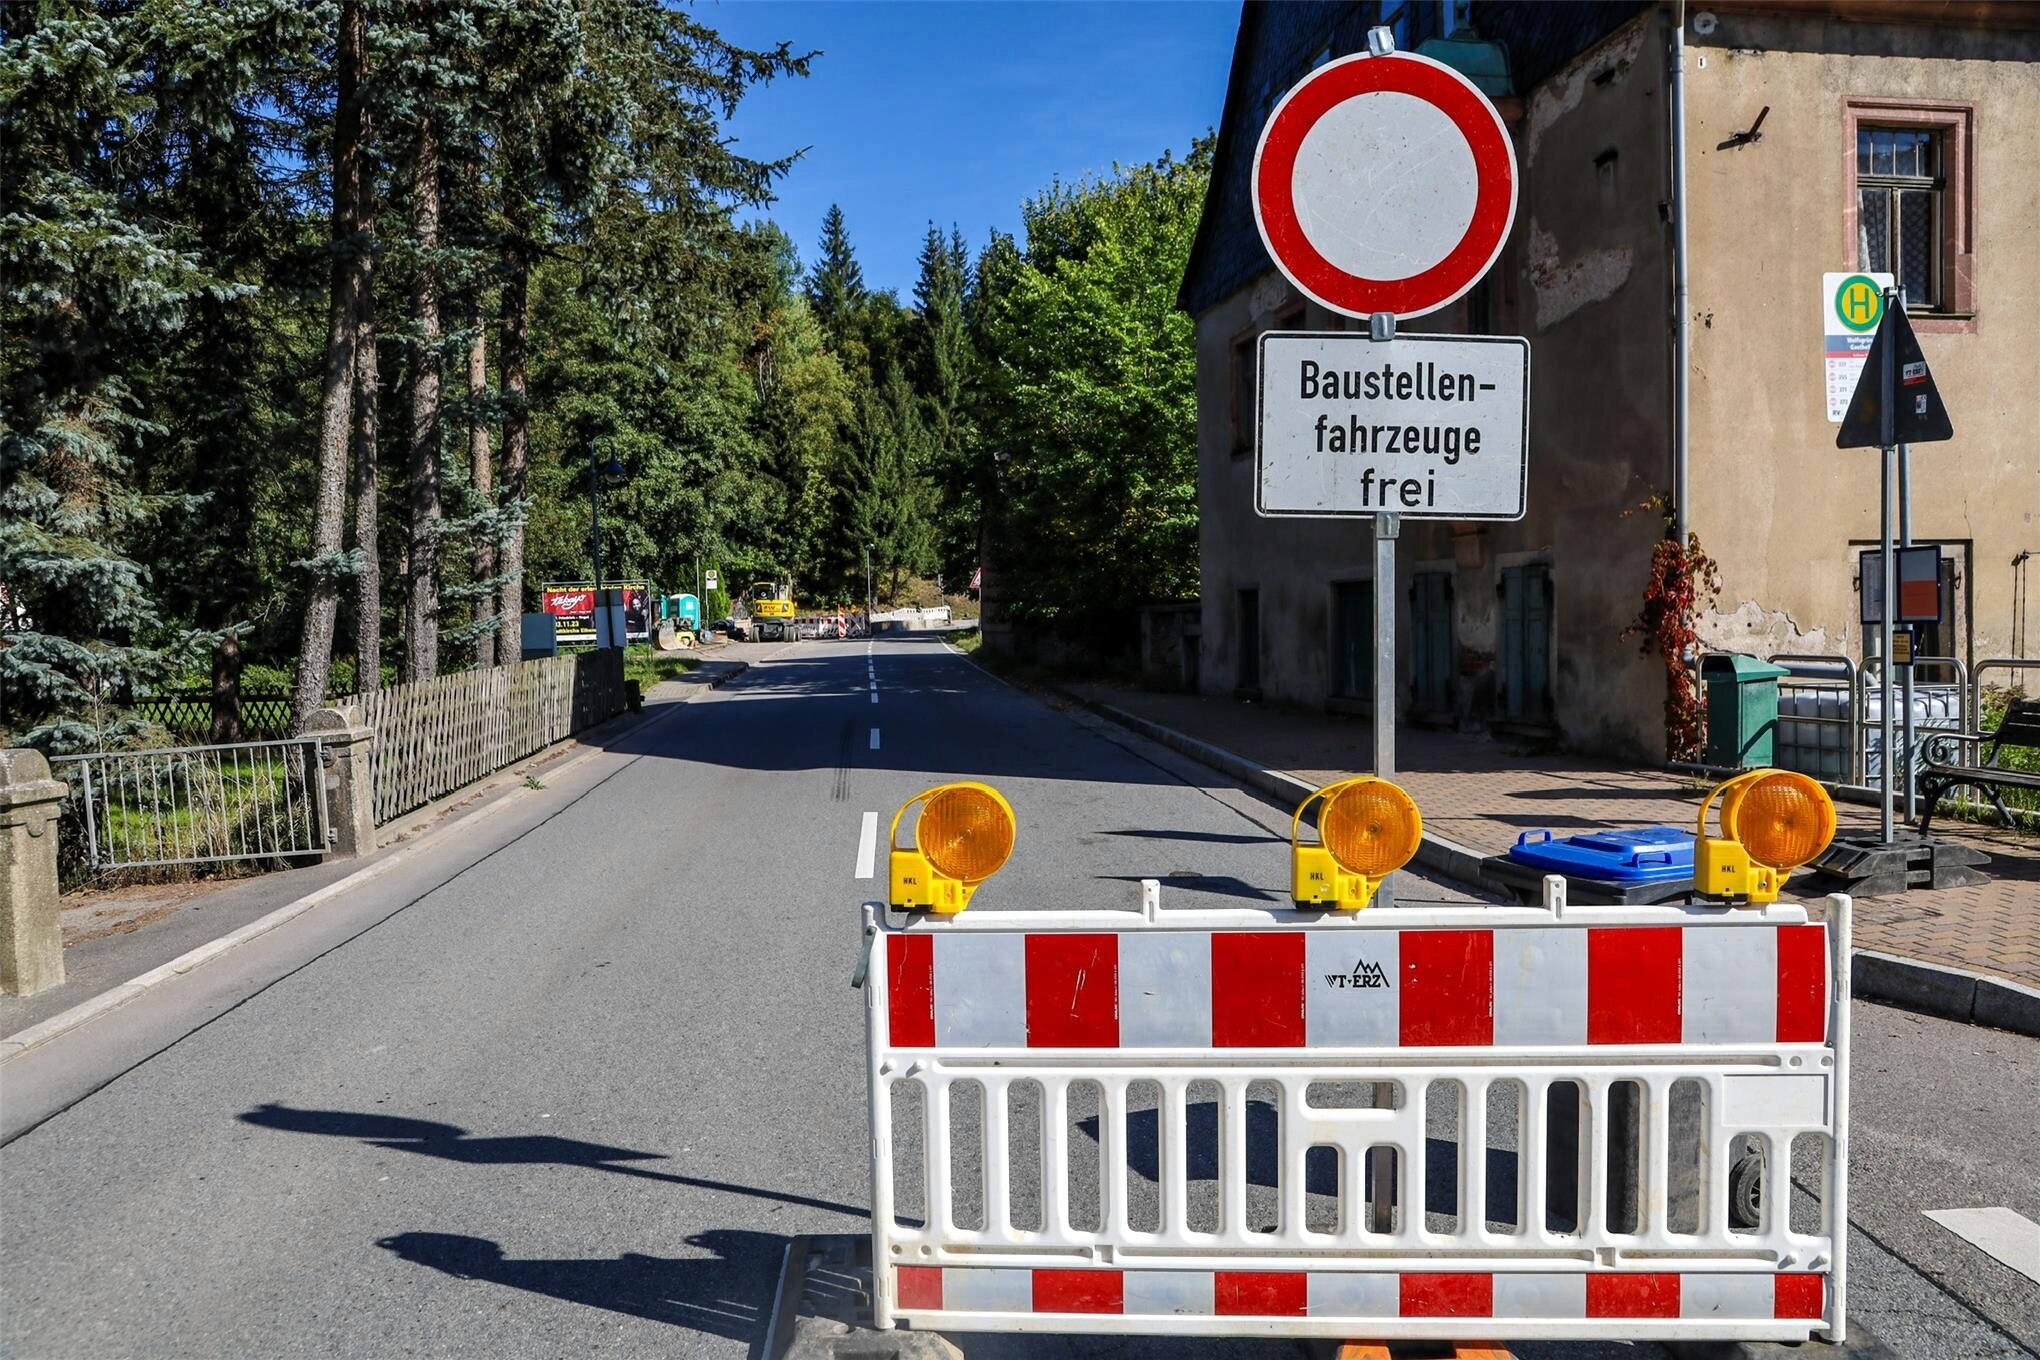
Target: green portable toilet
[[1742, 709]]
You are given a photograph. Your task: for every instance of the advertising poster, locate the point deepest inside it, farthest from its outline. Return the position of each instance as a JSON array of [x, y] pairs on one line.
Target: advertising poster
[[573, 607]]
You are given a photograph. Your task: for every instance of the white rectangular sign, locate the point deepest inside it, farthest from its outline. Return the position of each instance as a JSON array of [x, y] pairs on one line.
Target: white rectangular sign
[[1424, 426]]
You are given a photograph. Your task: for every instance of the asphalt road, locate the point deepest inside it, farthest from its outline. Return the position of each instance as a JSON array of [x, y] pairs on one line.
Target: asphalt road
[[565, 1082]]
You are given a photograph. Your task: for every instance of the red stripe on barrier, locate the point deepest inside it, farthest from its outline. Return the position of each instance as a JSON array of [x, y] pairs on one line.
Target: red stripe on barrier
[[920, 1286], [1260, 1293], [1632, 1296], [1079, 1291], [1073, 991], [1257, 990], [1448, 987], [1798, 1296], [1633, 984], [1447, 1295], [1802, 984], [910, 986]]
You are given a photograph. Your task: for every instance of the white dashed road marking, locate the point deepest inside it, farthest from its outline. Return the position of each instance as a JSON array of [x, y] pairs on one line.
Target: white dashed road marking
[[2005, 1234], [867, 842], [874, 738]]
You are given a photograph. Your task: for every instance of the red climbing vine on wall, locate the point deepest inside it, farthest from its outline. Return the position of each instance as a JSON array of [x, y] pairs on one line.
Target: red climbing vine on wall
[[1683, 580]]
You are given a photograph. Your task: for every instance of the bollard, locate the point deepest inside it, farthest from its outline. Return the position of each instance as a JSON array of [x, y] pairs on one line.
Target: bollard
[[31, 940], [350, 780]]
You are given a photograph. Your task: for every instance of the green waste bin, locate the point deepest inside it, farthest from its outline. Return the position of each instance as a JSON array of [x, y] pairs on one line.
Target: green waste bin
[[1742, 709]]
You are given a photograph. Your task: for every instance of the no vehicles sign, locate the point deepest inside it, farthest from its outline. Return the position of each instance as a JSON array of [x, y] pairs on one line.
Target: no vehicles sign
[[1424, 426]]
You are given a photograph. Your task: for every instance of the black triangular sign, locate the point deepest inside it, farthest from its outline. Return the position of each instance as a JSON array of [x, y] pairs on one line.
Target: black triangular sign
[[1922, 418]]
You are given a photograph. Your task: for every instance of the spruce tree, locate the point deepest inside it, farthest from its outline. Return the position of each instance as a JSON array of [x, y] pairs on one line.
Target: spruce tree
[[88, 284], [835, 287]]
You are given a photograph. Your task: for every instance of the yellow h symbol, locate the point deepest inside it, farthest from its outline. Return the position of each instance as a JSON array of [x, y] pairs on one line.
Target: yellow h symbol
[[1861, 302]]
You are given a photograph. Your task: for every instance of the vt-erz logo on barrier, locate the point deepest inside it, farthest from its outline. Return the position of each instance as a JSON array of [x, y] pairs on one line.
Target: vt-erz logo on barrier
[[1364, 976]]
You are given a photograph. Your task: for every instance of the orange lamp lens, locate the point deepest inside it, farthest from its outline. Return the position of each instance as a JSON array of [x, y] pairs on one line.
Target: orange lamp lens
[[965, 832], [1371, 828], [1784, 819]]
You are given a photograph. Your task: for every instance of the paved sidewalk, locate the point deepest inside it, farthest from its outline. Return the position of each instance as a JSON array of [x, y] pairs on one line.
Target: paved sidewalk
[[1481, 793]]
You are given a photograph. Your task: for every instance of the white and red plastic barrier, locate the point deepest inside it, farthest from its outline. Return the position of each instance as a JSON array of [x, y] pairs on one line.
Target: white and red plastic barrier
[[1411, 988], [966, 1014]]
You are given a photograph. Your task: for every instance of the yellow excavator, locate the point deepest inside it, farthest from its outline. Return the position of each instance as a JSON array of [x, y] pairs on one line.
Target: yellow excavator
[[771, 604]]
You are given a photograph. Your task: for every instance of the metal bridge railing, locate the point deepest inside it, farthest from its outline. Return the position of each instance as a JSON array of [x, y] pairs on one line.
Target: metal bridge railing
[[198, 804]]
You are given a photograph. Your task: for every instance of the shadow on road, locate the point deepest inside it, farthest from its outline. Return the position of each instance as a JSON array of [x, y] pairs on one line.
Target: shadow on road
[[451, 1143], [1218, 885], [1440, 1173], [725, 1294]]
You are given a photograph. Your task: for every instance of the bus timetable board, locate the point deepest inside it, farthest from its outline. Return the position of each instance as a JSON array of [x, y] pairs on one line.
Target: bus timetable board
[[573, 609]]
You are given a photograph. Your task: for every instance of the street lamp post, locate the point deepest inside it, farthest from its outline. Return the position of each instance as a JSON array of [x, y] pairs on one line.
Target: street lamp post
[[596, 472], [867, 588]]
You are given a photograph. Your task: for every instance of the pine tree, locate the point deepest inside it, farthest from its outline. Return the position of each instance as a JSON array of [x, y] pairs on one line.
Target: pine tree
[[347, 316], [610, 144]]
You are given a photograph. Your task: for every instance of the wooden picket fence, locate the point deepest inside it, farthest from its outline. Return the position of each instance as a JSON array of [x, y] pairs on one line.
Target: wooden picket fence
[[435, 735]]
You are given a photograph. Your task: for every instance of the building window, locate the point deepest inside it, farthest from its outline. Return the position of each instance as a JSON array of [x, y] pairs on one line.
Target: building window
[[1898, 209], [1245, 360], [1353, 640], [1911, 209], [1250, 640]]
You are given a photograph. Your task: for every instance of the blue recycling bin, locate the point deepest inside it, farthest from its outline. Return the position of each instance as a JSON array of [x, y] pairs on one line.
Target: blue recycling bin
[[1609, 868]]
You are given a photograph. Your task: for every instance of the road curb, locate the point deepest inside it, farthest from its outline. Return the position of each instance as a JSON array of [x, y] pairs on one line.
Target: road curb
[[1910, 984], [1950, 993], [113, 998]]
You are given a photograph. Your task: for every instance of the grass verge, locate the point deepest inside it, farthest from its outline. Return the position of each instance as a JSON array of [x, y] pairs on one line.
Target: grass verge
[[648, 666]]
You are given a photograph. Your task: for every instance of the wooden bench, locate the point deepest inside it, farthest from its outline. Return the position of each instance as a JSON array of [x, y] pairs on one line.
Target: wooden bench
[[2020, 730]]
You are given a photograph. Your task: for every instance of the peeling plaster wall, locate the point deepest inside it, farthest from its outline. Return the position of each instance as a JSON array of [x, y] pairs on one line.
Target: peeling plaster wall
[[1783, 510], [1750, 627], [1563, 286]]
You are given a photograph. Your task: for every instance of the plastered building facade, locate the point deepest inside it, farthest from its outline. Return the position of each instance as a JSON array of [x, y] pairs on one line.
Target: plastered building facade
[[1517, 628]]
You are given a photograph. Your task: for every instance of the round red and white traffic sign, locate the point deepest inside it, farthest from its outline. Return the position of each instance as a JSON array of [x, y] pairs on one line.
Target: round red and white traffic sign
[[1384, 184]]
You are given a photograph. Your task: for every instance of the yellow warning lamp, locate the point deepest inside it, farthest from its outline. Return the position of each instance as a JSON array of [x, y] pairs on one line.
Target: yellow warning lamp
[[1772, 821], [963, 836], [1368, 828]]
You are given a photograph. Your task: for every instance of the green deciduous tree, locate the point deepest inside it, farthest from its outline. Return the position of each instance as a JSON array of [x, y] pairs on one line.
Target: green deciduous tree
[[1093, 384]]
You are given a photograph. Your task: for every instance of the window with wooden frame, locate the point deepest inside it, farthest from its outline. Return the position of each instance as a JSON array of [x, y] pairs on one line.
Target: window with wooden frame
[[1911, 212], [1244, 361]]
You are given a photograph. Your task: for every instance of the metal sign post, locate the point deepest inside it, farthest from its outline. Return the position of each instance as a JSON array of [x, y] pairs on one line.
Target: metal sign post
[[1906, 672], [1875, 419], [1346, 425], [1887, 379]]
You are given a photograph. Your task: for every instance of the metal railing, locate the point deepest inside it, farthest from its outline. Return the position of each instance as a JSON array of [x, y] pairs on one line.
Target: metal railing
[[1829, 716], [1825, 742], [198, 804]]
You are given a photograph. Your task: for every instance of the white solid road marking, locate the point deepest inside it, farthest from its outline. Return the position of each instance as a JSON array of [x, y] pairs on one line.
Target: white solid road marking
[[2003, 1233], [867, 846], [874, 738]]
